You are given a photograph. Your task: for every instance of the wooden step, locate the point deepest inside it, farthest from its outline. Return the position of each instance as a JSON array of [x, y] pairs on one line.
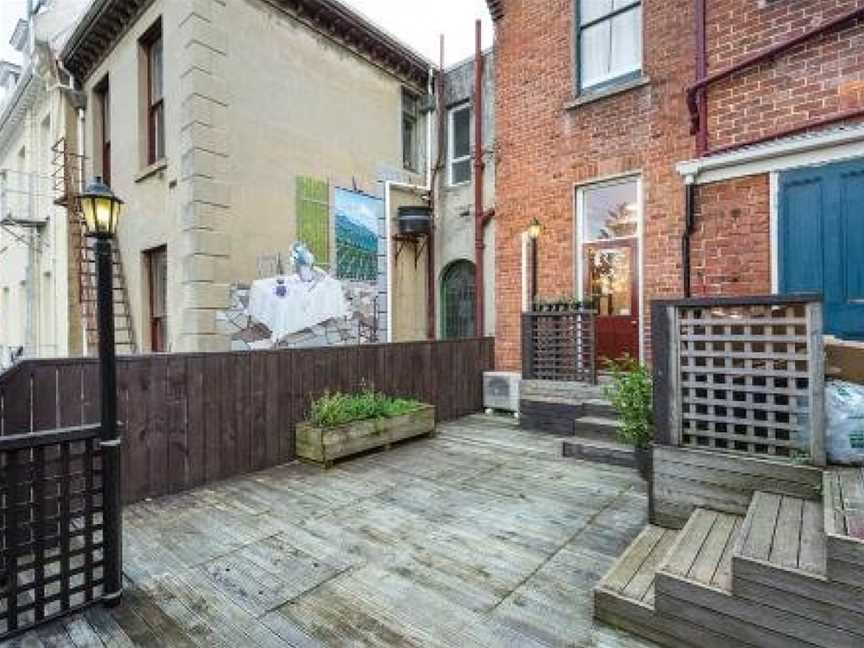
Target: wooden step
[[597, 427], [695, 584], [843, 497], [625, 596], [596, 451], [549, 417], [780, 561]]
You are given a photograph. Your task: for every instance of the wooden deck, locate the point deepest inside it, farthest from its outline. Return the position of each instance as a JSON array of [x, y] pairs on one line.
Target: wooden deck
[[483, 536]]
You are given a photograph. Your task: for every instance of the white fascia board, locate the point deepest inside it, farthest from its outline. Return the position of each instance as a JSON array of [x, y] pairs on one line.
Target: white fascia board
[[790, 153]]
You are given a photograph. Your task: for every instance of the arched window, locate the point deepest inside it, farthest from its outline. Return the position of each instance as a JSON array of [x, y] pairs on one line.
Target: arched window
[[458, 300]]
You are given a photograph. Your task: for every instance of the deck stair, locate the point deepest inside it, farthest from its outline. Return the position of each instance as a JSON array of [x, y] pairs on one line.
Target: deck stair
[[761, 580], [579, 411]]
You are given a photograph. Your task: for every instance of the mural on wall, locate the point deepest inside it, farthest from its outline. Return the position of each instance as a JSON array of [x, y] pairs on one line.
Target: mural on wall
[[305, 297], [357, 217]]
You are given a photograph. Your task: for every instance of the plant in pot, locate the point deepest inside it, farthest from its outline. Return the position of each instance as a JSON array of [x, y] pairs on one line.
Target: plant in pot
[[342, 425], [631, 395]]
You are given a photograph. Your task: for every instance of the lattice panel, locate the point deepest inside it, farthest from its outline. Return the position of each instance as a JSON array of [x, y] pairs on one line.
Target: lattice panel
[[560, 346], [51, 533], [745, 378]]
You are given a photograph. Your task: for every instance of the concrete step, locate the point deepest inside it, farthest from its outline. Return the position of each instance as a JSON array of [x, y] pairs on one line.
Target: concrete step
[[597, 451]]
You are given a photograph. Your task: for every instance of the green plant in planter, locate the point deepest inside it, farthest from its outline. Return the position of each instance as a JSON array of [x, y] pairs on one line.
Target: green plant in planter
[[337, 408], [631, 395]]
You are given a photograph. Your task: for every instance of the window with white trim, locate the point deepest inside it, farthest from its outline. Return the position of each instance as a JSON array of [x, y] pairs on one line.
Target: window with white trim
[[459, 146], [609, 37]]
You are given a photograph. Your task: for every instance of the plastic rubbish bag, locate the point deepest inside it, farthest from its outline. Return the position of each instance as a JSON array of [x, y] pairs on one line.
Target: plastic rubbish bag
[[844, 441]]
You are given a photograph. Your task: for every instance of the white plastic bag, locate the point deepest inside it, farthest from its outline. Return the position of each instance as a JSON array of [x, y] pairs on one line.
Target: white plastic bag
[[844, 441]]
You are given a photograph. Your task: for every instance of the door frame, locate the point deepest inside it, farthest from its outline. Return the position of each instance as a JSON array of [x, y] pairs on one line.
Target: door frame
[[579, 190]]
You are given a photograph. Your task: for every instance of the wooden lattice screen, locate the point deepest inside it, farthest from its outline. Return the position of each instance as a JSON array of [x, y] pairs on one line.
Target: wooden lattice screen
[[51, 533], [749, 377], [559, 346]]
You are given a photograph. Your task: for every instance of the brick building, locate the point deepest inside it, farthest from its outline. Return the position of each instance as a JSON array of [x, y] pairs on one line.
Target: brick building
[[619, 121]]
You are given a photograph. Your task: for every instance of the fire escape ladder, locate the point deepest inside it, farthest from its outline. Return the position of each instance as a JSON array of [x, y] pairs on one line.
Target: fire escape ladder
[[68, 170]]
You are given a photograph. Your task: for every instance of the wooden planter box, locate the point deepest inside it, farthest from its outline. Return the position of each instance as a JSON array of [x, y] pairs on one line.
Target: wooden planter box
[[324, 445]]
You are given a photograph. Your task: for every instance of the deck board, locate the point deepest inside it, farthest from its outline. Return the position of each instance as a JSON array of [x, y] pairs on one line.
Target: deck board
[[482, 536]]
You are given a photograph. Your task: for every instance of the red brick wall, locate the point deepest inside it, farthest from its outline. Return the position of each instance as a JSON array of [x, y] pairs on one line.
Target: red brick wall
[[814, 80], [730, 249], [545, 149]]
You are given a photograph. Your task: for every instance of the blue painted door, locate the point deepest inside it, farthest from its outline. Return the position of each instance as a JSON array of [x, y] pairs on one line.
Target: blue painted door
[[821, 236]]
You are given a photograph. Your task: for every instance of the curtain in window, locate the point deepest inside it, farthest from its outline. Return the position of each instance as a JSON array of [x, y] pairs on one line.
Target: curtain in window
[[610, 43]]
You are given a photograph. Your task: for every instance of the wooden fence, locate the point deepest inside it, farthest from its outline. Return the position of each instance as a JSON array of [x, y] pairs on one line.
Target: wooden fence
[[190, 419], [559, 345], [741, 375]]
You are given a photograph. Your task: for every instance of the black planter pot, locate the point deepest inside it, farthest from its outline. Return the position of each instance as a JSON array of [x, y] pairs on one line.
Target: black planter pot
[[644, 461], [415, 220]]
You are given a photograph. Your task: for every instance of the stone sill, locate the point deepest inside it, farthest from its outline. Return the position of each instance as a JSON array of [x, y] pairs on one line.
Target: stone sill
[[151, 170], [605, 93]]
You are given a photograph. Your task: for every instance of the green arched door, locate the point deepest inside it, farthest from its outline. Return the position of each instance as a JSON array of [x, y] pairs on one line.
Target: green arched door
[[458, 300]]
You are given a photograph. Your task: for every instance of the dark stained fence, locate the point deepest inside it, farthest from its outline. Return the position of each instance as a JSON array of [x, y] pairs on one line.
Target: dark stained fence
[[190, 419], [559, 345]]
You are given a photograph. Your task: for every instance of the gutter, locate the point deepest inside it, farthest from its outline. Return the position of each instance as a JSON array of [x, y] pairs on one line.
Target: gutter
[[96, 9], [23, 87]]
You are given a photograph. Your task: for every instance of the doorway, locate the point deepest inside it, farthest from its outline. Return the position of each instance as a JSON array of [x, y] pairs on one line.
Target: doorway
[[458, 301], [820, 239], [607, 240]]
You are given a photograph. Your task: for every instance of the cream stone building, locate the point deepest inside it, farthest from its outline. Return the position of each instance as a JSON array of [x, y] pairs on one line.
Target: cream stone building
[[37, 317], [233, 130], [230, 129]]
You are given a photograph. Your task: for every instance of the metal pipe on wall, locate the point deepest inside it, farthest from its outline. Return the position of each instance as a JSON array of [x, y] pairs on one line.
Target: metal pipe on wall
[[479, 211], [430, 243]]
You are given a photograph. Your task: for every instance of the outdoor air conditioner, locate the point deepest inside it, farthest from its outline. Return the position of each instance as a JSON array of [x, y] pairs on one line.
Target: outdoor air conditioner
[[501, 390]]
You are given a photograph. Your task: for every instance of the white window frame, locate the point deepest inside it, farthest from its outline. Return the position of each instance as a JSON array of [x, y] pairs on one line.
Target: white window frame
[[580, 190], [451, 161], [610, 79]]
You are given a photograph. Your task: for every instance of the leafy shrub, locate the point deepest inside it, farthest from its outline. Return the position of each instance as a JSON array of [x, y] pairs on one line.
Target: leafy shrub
[[338, 409], [631, 396]]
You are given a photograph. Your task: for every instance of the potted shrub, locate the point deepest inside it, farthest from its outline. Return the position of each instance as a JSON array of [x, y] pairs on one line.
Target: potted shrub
[[631, 395], [341, 425]]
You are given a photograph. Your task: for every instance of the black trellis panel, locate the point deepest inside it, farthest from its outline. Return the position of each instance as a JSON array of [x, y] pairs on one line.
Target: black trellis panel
[[51, 534], [559, 345]]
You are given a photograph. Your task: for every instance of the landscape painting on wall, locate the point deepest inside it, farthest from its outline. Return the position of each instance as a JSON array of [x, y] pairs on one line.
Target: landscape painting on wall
[[357, 217]]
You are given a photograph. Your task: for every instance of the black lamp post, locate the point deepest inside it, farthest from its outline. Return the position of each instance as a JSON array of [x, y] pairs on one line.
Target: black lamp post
[[534, 231], [101, 213]]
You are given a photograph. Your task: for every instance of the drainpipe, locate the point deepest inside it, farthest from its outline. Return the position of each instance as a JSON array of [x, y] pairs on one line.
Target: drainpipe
[[701, 73], [479, 213], [689, 220], [430, 243]]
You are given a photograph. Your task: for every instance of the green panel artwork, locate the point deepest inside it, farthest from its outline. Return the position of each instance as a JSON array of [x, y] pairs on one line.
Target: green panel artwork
[[313, 217]]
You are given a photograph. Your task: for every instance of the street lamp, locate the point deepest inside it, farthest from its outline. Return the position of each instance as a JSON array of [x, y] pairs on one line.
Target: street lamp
[[101, 214], [534, 231]]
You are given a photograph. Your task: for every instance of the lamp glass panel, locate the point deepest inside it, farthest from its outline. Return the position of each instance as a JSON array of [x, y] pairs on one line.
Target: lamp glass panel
[[89, 210]]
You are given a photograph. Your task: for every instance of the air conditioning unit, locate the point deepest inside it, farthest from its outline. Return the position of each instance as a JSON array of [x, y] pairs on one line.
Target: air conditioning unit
[[501, 390]]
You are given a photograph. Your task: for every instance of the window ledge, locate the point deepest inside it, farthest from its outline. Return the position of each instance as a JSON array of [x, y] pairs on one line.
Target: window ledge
[[604, 93], [151, 170]]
